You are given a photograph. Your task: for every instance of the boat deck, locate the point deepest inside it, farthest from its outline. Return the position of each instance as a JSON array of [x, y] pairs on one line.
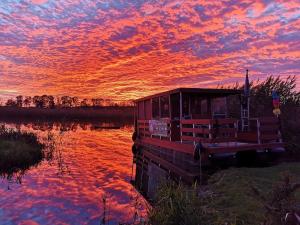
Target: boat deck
[[210, 148]]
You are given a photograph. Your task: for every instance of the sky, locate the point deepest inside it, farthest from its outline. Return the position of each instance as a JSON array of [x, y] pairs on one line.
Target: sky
[[124, 50]]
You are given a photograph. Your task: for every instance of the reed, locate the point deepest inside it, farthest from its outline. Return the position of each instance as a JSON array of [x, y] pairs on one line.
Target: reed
[[237, 196], [18, 152]]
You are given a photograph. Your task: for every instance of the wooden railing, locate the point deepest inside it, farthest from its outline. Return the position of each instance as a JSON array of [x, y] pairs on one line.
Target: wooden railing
[[261, 130], [209, 130], [267, 130], [143, 130]]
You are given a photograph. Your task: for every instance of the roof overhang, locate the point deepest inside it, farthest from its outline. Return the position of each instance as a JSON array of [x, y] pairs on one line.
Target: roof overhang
[[200, 91]]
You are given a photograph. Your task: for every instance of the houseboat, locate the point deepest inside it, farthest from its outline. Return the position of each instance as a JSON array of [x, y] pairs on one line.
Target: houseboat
[[186, 129]]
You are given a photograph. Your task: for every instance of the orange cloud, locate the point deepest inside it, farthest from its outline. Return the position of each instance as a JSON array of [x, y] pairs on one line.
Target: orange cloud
[[124, 50]]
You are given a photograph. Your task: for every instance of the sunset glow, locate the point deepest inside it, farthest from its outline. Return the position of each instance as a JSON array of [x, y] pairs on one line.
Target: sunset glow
[[128, 49]]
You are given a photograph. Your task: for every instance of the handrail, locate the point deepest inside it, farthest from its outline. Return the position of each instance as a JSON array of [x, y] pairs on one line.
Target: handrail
[[267, 129], [209, 130]]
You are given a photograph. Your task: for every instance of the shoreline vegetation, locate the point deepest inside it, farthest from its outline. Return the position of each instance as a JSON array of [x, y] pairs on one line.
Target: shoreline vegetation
[[71, 113], [236, 196], [19, 151]]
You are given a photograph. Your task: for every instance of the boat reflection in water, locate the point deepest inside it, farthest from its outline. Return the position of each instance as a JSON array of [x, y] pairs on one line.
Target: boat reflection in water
[[148, 176], [152, 170]]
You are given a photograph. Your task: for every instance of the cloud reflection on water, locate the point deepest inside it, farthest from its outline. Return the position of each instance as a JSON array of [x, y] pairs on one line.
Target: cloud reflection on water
[[99, 162]]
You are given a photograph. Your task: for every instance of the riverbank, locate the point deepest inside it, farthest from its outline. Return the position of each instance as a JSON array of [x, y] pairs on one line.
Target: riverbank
[[234, 196], [18, 151], [87, 114]]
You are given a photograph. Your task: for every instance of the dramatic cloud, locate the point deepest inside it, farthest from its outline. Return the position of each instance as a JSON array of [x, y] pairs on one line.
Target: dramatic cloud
[[126, 49]]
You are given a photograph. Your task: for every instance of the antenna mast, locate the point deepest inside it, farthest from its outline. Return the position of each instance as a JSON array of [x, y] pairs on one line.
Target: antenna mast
[[245, 104]]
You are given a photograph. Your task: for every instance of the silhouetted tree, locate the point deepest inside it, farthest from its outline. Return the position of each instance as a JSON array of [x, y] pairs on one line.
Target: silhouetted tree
[[51, 103], [75, 101], [66, 101], [27, 101], [96, 102], [58, 102], [11, 102], [107, 102], [37, 101], [19, 100], [84, 103]]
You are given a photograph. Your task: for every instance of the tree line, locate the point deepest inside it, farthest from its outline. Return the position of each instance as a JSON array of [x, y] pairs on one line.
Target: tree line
[[49, 101]]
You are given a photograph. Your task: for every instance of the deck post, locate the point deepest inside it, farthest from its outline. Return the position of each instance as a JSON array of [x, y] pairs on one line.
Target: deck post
[[258, 131], [209, 128], [236, 126], [170, 115], [144, 128], [180, 105], [279, 136], [151, 103], [159, 108], [194, 135]]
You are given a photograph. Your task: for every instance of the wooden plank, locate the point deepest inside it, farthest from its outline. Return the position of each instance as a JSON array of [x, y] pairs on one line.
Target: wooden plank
[[196, 130], [268, 128], [177, 146], [224, 121], [247, 137], [189, 148], [197, 139], [145, 132], [196, 121], [208, 140], [269, 137], [143, 121], [224, 130], [223, 139]]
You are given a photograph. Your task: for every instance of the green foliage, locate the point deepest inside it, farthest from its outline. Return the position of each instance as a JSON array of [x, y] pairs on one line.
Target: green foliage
[[261, 95], [227, 199], [234, 199], [280, 201], [176, 204], [261, 105]]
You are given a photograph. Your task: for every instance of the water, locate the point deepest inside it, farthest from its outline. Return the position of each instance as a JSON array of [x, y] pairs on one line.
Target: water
[[90, 164]]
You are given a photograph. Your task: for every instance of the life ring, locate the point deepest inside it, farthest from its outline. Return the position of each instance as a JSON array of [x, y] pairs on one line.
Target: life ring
[[198, 150], [134, 136]]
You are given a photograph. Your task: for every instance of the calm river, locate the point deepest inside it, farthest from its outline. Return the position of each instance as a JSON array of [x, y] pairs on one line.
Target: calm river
[[88, 176]]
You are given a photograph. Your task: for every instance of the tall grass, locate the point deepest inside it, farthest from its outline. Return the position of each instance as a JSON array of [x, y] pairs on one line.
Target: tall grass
[[18, 152], [176, 204], [238, 196]]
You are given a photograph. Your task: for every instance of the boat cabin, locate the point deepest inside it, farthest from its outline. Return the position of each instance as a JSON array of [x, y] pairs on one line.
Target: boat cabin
[[165, 114], [171, 125]]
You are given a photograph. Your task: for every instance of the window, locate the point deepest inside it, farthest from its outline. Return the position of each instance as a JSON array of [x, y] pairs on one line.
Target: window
[[164, 106], [155, 108], [185, 106], [219, 106], [204, 107]]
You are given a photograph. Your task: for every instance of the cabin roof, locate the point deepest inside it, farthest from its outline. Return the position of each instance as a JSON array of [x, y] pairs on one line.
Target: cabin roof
[[204, 91]]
